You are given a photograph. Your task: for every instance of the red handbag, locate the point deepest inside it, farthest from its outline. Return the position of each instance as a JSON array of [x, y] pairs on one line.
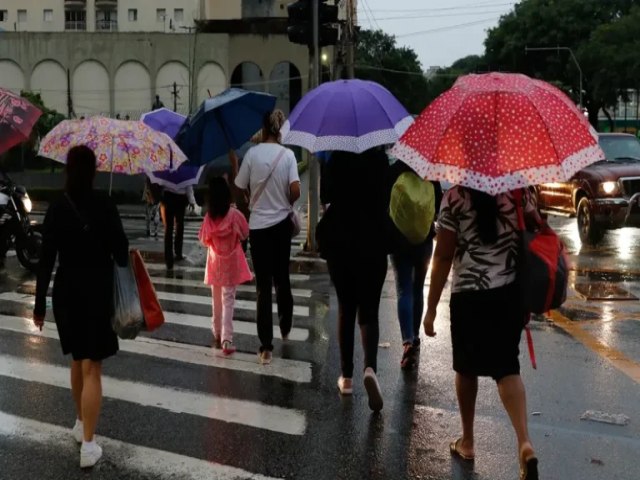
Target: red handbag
[[151, 309]]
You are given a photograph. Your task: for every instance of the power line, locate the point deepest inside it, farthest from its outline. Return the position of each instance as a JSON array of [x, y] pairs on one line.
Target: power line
[[440, 15], [447, 28], [440, 9]]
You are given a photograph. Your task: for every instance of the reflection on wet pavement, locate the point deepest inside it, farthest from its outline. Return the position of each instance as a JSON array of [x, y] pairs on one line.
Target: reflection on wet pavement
[[603, 291]]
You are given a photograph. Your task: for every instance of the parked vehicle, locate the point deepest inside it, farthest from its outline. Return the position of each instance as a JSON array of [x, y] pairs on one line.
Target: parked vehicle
[[16, 229], [603, 196]]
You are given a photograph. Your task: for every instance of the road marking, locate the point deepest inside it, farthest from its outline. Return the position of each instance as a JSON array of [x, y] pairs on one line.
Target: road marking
[[243, 412], [149, 461], [153, 266], [298, 310], [190, 283], [618, 359], [293, 370], [201, 321], [239, 326]]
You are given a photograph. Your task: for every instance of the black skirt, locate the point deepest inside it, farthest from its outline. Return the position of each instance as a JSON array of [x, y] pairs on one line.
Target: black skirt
[[486, 326]]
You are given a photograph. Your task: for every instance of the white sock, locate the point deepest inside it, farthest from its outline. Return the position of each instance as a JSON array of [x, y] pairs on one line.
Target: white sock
[[78, 423], [91, 444]]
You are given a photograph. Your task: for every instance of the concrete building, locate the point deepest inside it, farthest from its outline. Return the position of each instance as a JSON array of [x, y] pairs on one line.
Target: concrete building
[[111, 57]]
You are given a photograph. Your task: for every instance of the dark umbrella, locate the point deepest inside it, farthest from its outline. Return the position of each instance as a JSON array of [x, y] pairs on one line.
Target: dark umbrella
[[222, 123], [17, 118]]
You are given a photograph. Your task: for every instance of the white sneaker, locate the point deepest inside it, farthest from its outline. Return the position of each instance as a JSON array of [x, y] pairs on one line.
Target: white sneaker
[[265, 357], [90, 453], [373, 390], [78, 431]]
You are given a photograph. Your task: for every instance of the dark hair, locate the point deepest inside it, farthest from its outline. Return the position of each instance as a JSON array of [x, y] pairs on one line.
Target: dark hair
[[486, 207], [80, 170], [219, 198]]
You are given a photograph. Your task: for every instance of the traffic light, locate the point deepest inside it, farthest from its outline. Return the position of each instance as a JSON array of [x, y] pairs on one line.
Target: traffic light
[[300, 29]]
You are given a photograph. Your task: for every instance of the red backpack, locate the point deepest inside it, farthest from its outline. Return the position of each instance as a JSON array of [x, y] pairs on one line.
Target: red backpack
[[543, 270]]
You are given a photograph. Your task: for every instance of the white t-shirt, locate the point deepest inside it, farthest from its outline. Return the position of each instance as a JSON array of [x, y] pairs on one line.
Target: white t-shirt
[[273, 205]]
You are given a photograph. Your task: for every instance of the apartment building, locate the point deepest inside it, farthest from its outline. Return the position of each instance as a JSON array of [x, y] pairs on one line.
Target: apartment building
[[168, 16]]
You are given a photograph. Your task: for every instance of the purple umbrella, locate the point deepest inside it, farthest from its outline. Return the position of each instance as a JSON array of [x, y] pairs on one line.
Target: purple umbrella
[[347, 115], [179, 179], [164, 120]]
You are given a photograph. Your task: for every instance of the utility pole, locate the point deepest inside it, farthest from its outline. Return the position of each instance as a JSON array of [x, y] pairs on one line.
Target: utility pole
[[175, 95], [558, 49], [314, 165], [70, 112], [351, 38]]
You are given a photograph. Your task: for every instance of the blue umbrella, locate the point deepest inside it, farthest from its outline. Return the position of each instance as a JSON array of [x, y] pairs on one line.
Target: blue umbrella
[[164, 120], [226, 121]]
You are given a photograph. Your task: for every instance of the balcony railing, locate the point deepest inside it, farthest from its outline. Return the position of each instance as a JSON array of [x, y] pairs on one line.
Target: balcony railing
[[107, 4], [75, 3], [78, 25], [106, 25]]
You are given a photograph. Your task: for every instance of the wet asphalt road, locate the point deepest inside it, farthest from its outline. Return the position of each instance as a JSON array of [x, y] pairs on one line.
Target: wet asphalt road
[[174, 410]]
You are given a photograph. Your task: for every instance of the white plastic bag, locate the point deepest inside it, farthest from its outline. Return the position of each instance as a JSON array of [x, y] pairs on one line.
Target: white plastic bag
[[127, 320]]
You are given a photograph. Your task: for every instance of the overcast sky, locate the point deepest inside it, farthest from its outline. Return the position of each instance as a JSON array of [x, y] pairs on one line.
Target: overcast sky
[[440, 31]]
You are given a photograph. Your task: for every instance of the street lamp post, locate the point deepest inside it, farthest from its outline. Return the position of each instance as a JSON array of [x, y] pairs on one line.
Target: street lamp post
[[558, 49]]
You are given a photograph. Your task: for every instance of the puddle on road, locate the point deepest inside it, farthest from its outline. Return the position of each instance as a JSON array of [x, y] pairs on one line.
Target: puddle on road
[[605, 291]]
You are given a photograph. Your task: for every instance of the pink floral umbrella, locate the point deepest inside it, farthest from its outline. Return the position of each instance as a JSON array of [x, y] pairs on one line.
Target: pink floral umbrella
[[121, 146], [17, 118], [497, 132]]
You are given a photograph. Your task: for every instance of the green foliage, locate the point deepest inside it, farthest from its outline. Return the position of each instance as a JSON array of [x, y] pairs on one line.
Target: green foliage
[[378, 59], [565, 23], [49, 119], [444, 78]]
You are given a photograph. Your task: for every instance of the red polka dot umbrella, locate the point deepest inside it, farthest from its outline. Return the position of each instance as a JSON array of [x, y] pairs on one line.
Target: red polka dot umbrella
[[497, 132]]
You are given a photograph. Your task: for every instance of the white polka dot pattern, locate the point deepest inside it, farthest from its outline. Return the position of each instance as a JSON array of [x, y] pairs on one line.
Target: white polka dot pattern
[[497, 132], [344, 143]]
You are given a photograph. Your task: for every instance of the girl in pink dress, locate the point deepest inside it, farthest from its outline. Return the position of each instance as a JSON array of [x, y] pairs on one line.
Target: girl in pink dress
[[222, 231]]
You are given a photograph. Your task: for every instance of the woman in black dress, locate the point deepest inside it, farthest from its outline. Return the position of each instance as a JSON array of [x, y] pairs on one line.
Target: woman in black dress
[[83, 229]]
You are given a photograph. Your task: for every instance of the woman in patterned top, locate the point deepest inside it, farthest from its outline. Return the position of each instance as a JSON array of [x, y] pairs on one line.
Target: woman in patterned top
[[478, 236]]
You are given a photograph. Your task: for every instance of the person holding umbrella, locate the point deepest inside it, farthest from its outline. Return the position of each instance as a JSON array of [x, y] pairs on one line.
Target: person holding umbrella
[[269, 173], [173, 205], [359, 119], [83, 229], [490, 135]]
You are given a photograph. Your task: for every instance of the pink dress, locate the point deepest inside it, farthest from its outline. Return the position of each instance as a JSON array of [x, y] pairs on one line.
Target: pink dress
[[226, 263]]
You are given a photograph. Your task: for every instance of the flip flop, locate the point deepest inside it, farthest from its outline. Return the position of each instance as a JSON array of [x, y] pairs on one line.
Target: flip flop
[[529, 470], [453, 448]]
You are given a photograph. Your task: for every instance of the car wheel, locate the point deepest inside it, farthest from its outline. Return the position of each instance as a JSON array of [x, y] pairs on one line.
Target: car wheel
[[590, 232]]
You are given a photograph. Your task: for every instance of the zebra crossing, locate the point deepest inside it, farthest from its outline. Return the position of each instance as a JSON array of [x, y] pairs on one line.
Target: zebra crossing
[[173, 406]]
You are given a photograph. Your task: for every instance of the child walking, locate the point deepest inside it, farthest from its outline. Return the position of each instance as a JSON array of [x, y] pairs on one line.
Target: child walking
[[222, 232]]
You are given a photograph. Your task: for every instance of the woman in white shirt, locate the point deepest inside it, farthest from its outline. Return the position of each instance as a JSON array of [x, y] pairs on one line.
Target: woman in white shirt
[[269, 172]]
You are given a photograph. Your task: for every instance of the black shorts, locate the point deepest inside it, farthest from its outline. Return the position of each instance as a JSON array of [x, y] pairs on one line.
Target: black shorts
[[486, 326]]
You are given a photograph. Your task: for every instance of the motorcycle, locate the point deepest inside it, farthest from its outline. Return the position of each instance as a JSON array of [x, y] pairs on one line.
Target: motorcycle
[[16, 229]]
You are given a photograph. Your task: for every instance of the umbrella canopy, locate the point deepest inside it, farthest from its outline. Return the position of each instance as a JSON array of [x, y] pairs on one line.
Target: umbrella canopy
[[347, 115], [177, 180], [226, 121], [120, 146], [497, 132], [164, 120], [17, 118]]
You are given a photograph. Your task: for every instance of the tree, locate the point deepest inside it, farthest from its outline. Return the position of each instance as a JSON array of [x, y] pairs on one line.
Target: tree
[[378, 58], [444, 78], [550, 23]]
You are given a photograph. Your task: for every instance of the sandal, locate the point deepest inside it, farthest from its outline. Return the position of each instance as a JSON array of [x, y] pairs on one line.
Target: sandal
[[529, 469], [453, 448], [408, 360]]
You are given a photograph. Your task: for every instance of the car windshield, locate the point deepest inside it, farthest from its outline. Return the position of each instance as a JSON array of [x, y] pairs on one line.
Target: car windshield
[[620, 148]]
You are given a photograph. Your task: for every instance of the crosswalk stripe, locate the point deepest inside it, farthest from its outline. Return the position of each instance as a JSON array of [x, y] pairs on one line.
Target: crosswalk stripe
[[154, 266], [292, 370], [149, 461], [185, 282], [240, 327], [243, 412], [298, 310]]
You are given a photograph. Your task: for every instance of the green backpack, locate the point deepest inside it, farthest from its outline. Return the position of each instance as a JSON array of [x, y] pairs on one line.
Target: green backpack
[[412, 207]]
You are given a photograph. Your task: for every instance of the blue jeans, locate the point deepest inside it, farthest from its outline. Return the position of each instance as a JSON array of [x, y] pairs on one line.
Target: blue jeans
[[410, 267]]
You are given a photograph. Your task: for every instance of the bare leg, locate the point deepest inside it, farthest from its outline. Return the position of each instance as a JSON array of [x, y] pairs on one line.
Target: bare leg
[[514, 399], [76, 386], [467, 390], [91, 396]]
